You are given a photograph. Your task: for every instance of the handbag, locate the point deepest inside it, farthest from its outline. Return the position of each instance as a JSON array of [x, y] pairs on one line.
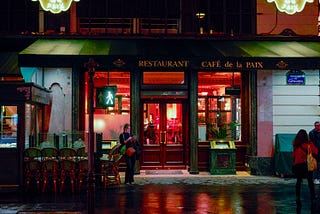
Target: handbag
[[312, 162], [130, 151]]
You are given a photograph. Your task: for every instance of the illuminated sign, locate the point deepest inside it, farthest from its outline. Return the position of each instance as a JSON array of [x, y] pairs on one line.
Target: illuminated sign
[[56, 6], [295, 77], [105, 96], [290, 6], [164, 63], [229, 64]]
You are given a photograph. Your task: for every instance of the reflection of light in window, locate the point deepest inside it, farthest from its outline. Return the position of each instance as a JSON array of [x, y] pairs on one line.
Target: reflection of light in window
[[99, 125], [172, 111]]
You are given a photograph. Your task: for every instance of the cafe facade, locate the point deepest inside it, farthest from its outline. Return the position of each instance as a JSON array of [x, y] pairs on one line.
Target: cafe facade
[[179, 95]]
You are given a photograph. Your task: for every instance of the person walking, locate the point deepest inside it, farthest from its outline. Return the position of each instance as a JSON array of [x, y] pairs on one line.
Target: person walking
[[128, 140], [301, 145], [314, 136]]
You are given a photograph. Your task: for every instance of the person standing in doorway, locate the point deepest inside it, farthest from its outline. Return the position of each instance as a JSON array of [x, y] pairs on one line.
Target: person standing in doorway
[[314, 136], [128, 140], [301, 145]]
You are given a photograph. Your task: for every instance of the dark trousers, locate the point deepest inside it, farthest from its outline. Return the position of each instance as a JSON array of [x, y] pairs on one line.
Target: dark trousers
[[130, 161], [302, 172]]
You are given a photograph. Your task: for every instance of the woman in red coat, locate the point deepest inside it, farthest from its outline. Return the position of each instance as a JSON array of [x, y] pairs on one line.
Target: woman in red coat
[[301, 144]]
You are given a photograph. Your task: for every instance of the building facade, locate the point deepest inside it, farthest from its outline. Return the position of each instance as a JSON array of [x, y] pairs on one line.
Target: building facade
[[180, 86]]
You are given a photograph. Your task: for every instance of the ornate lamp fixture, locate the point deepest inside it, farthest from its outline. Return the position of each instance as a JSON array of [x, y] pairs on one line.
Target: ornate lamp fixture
[[290, 6], [56, 6]]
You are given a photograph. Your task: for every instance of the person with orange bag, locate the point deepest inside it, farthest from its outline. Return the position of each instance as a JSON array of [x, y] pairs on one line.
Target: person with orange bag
[[301, 146], [128, 140]]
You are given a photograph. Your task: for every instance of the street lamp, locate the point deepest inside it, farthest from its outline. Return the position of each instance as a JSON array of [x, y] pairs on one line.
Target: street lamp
[[91, 64]]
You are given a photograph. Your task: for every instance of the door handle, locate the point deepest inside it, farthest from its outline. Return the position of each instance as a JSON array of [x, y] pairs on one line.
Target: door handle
[[163, 137]]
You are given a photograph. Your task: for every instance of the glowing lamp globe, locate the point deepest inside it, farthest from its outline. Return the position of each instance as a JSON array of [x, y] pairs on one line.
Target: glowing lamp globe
[[290, 6], [56, 6]]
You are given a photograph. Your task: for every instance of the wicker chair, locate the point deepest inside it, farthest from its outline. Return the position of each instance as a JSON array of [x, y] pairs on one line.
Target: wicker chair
[[32, 169], [50, 172], [110, 167]]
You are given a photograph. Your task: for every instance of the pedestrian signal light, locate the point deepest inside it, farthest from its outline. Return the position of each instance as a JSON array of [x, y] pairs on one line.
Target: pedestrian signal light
[[105, 96]]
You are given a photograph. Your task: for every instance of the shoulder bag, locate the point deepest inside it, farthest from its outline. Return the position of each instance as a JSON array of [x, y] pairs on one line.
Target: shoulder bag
[[312, 162], [130, 151]]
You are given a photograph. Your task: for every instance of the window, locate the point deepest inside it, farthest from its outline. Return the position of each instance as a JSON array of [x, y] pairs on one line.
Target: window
[[163, 78], [8, 126], [109, 120], [219, 110]]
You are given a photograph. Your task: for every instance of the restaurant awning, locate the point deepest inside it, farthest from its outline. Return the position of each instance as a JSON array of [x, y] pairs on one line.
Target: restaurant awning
[[200, 54]]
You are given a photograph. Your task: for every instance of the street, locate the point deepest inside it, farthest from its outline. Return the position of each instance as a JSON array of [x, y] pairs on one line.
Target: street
[[203, 193]]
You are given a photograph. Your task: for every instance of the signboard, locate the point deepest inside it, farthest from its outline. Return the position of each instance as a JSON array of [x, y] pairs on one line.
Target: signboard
[[105, 96], [295, 77]]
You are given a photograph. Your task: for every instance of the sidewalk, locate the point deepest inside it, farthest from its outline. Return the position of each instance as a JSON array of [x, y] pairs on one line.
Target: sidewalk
[[241, 177], [172, 191]]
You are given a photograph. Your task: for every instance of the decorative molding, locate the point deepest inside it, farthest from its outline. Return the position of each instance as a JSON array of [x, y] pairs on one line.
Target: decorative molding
[[119, 63], [282, 65]]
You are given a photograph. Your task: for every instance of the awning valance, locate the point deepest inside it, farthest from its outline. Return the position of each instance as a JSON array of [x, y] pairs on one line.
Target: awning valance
[[200, 54]]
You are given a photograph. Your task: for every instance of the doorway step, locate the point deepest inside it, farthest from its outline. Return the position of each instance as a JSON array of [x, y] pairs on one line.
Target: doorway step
[[163, 172]]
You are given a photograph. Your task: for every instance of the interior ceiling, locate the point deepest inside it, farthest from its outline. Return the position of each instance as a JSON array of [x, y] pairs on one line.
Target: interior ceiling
[[207, 80]]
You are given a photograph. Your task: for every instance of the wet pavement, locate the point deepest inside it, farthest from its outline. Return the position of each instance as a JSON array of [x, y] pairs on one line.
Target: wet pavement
[[177, 193]]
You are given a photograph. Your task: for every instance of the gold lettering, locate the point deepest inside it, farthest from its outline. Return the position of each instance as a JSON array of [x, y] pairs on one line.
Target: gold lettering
[[211, 64], [239, 65], [141, 63], [228, 64], [163, 63], [254, 64], [260, 64]]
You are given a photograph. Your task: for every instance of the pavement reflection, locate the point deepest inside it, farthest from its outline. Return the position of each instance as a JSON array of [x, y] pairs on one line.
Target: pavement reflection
[[234, 194]]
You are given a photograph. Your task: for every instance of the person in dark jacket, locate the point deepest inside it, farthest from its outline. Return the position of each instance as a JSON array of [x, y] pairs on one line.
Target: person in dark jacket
[[314, 136], [301, 145], [128, 140]]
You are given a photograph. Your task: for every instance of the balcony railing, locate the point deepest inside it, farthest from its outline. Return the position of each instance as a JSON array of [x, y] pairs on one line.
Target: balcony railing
[[99, 26]]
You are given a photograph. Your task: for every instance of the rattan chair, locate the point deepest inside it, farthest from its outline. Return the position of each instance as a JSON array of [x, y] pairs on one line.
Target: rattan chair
[[32, 170], [68, 168], [67, 153], [81, 153], [83, 168], [32, 153], [110, 167], [50, 172], [49, 153]]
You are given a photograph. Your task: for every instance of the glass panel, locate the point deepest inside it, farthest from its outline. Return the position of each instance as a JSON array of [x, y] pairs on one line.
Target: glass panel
[[163, 78], [219, 109], [174, 123], [110, 120], [8, 126], [201, 110], [151, 118], [213, 103]]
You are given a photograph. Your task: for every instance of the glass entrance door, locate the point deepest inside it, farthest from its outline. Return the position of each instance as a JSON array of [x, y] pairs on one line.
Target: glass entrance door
[[163, 136]]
